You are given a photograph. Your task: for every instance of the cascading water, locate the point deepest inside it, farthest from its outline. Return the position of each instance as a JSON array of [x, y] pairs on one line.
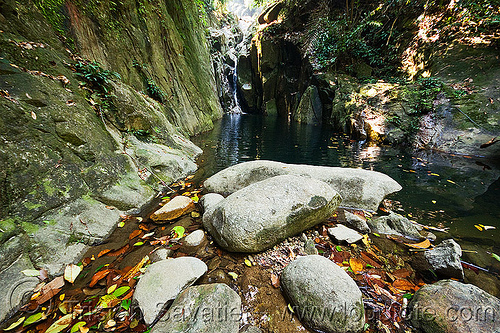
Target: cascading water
[[227, 44]]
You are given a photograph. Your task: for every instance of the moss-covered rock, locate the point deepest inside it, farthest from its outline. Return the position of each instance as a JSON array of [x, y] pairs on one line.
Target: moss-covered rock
[[68, 153]]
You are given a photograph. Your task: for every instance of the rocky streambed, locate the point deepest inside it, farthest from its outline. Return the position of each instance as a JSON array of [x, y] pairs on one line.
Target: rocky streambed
[[289, 248]]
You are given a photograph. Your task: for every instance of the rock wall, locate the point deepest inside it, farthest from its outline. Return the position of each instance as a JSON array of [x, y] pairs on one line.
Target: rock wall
[[161, 41], [415, 87], [69, 163]]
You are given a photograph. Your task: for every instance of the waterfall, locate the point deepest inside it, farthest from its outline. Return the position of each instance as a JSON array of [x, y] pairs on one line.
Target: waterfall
[[227, 44]]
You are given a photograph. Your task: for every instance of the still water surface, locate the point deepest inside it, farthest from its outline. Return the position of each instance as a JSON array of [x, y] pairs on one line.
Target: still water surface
[[438, 189]]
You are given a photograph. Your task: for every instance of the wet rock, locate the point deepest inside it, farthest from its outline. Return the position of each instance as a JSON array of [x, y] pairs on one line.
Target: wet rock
[[356, 222], [207, 308], [341, 233], [444, 259], [160, 254], [195, 238], [359, 188], [310, 109], [323, 295], [453, 307], [264, 213], [163, 281], [173, 209], [395, 224], [16, 287]]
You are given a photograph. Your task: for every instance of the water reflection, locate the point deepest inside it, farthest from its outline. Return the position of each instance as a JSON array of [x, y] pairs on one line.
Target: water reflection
[[439, 189]]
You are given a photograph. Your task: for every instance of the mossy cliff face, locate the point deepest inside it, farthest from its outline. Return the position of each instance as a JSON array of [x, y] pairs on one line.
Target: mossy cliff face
[[153, 45], [69, 157]]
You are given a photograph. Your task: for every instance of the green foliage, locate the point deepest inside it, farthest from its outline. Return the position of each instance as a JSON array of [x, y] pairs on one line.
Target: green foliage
[[421, 96], [52, 10], [152, 89], [343, 39], [95, 76]]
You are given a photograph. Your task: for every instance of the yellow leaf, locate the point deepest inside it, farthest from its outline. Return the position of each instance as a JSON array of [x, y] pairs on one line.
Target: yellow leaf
[[366, 240], [233, 275], [433, 201], [356, 265], [112, 288], [478, 227], [451, 181], [61, 324], [121, 224], [422, 245], [248, 263], [195, 214], [14, 325], [61, 297], [434, 174], [71, 272]]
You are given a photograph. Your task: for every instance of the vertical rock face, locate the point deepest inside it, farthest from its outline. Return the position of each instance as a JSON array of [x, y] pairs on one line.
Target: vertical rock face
[[310, 109], [66, 155], [152, 45]]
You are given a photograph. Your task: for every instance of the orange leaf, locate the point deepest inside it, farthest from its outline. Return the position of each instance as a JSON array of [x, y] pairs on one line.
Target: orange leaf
[[403, 284], [134, 234], [129, 294], [118, 252], [98, 276], [275, 281], [356, 265], [422, 245], [103, 252]]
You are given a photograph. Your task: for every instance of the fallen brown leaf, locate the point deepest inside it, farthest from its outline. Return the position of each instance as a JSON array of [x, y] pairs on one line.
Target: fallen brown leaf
[[275, 281]]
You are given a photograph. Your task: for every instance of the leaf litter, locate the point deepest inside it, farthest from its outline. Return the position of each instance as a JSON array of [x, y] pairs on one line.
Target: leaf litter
[[98, 296]]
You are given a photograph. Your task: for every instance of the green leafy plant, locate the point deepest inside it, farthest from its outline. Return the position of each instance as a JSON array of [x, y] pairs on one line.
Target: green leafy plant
[[154, 91], [95, 76]]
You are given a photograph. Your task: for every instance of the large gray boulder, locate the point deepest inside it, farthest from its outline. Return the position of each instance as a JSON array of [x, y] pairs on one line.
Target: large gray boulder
[[359, 188], [453, 307], [163, 281], [208, 308], [323, 295], [264, 213], [444, 259]]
